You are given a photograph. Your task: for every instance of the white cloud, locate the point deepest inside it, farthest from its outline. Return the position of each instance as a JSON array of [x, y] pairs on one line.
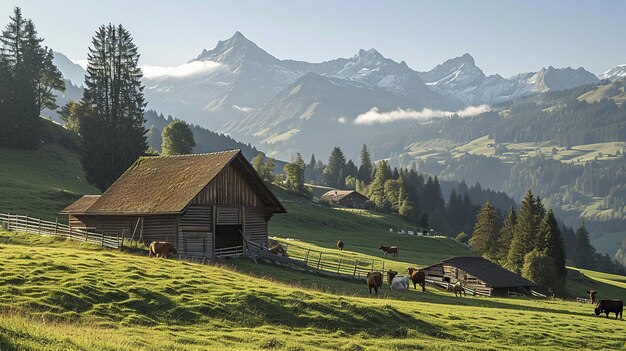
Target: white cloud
[[188, 69], [341, 120], [242, 108], [374, 116]]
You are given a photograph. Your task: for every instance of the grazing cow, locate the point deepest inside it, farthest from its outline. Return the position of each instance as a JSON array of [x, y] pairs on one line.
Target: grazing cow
[[592, 295], [162, 249], [397, 283], [374, 281], [279, 250], [417, 277], [390, 275], [610, 306], [390, 250], [458, 289], [340, 245]]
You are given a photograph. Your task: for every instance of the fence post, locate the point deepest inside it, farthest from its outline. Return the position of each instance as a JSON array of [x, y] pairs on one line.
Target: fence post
[[383, 266], [372, 265], [56, 226], [39, 226], [319, 260], [339, 266], [306, 257], [85, 234], [102, 242], [356, 262], [26, 223]]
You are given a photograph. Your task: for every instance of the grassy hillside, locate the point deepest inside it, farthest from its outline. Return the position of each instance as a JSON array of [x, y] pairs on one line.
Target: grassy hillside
[[58, 295], [40, 182]]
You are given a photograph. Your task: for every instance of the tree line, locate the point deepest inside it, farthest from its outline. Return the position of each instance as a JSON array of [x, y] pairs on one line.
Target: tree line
[[404, 191]]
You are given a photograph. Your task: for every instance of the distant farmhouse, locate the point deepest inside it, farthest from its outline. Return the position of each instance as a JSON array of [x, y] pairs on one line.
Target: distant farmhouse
[[348, 198], [205, 204], [479, 274]]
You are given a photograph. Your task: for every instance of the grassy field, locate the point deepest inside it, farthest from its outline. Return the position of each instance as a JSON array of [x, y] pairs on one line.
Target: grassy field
[[40, 182], [58, 295]]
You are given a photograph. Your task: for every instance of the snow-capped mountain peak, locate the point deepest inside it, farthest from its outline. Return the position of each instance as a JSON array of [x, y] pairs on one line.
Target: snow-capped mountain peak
[[236, 49], [615, 73]]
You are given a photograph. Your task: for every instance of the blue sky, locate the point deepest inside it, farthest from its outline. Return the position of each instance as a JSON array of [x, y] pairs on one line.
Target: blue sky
[[505, 37]]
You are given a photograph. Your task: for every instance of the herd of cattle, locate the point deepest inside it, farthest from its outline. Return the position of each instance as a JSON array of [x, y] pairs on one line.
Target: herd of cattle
[[415, 276]]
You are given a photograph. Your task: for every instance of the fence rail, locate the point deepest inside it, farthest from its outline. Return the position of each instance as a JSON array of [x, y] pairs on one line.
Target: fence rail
[[329, 263], [24, 223]]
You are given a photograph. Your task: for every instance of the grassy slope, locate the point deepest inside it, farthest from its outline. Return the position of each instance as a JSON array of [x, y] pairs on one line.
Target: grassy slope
[[60, 295], [40, 182]]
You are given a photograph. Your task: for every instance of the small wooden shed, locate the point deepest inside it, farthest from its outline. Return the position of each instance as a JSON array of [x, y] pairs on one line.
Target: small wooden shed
[[479, 274], [202, 203], [348, 198]]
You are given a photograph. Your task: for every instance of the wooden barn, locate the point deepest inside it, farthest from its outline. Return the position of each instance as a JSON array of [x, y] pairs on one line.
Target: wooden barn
[[202, 203], [478, 274], [347, 198]]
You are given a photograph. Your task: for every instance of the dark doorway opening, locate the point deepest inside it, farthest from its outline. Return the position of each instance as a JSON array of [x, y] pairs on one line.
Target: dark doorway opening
[[227, 236]]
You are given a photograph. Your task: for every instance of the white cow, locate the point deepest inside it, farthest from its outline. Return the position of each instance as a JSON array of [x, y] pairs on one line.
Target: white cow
[[400, 283]]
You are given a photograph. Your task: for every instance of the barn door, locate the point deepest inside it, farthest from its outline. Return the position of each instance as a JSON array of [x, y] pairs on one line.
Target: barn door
[[195, 244]]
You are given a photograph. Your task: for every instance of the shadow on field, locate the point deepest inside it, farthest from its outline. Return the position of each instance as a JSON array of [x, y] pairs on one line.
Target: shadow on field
[[359, 288]]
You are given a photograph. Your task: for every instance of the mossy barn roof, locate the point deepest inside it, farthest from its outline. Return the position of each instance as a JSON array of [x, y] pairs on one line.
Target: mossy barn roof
[[167, 184], [338, 195], [492, 274]]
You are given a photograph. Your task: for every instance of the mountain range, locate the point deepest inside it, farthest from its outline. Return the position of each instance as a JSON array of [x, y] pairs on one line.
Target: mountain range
[[284, 105]]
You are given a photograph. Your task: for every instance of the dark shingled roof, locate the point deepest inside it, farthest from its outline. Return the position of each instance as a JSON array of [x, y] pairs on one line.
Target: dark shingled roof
[[337, 195], [167, 184], [494, 275], [81, 205]]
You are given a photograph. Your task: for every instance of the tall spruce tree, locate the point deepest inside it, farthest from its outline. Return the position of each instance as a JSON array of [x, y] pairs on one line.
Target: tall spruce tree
[[334, 172], [487, 231], [552, 243], [583, 251], [366, 169], [506, 235], [526, 232], [113, 131], [29, 76], [295, 174]]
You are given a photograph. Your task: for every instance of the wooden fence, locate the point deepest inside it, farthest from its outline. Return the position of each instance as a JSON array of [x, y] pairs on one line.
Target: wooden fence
[[24, 223], [330, 263]]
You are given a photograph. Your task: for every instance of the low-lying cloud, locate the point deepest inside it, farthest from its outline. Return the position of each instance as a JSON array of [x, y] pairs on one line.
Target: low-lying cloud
[[374, 116], [186, 70]]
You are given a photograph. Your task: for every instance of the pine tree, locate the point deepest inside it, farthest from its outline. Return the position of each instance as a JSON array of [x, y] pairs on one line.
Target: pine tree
[[257, 162], [335, 169], [405, 206], [583, 251], [486, 232], [552, 243], [113, 132], [506, 235], [177, 139], [526, 232], [377, 187], [309, 170], [366, 169], [29, 77]]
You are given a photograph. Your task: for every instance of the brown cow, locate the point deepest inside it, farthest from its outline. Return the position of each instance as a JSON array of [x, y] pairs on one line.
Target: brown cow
[[162, 249], [417, 277], [340, 245], [374, 281], [458, 289], [390, 250], [592, 295], [390, 275]]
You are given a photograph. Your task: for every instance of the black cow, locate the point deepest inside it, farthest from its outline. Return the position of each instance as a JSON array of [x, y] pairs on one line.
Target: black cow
[[610, 306]]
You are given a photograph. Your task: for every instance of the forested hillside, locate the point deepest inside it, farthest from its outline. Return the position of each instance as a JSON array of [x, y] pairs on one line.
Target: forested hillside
[[567, 146]]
